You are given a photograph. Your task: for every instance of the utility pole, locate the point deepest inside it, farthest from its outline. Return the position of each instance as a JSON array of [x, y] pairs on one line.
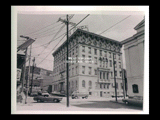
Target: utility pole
[[24, 70], [67, 65], [67, 69], [32, 73], [115, 78], [27, 81]]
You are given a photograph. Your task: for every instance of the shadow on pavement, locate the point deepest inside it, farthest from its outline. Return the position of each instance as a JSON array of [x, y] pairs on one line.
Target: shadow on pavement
[[107, 104]]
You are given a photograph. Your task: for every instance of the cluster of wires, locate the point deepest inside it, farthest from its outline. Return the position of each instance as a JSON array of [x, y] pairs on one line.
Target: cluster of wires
[[52, 29], [64, 34]]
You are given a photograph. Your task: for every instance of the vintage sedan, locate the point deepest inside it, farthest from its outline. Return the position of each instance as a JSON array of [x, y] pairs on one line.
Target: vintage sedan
[[47, 97], [77, 94]]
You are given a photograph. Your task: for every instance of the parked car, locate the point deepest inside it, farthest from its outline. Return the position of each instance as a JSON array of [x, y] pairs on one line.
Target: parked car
[[34, 93], [134, 100], [77, 94], [45, 93], [47, 97]]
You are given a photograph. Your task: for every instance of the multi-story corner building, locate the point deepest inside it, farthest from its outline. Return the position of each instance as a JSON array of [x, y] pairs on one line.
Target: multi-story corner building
[[91, 69]]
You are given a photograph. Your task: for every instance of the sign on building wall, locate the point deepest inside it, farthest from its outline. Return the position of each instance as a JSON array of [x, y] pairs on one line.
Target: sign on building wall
[[18, 74], [83, 27]]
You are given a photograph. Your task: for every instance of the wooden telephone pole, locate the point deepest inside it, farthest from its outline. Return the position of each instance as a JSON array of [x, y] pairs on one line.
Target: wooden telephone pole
[[67, 69]]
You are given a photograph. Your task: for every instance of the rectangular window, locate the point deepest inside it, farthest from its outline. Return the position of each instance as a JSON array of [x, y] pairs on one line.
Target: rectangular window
[[83, 69], [90, 70], [90, 59], [100, 52], [121, 85], [110, 63], [109, 54], [83, 48], [103, 63], [89, 50], [100, 75], [77, 49], [101, 86], [104, 86], [76, 58], [107, 86], [95, 51], [107, 75], [95, 60], [73, 52], [105, 53], [114, 56], [100, 63], [120, 73], [119, 64], [119, 56], [111, 74], [135, 88], [115, 73], [103, 75], [106, 64], [115, 64], [83, 58], [95, 71], [72, 71], [76, 69]]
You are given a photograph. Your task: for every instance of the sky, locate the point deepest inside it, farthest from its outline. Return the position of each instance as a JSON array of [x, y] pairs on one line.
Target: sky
[[43, 26]]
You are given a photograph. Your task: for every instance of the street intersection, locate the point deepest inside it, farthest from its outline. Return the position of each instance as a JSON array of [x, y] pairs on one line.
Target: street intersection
[[92, 104]]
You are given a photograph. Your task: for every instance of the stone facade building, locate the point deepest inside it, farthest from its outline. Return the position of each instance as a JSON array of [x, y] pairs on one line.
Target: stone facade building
[[134, 57], [90, 65]]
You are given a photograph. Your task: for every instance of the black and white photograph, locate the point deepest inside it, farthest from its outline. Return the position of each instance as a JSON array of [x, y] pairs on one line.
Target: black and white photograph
[[79, 59]]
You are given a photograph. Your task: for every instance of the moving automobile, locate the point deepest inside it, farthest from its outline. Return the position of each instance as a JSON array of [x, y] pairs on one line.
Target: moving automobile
[[77, 94], [47, 97]]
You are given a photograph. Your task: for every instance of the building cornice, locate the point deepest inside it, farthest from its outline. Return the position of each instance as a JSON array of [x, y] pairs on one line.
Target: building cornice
[[93, 38], [132, 38]]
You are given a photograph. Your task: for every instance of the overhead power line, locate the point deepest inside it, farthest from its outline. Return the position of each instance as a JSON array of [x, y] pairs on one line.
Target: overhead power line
[[43, 28], [46, 31], [53, 39], [63, 37], [115, 24], [52, 50]]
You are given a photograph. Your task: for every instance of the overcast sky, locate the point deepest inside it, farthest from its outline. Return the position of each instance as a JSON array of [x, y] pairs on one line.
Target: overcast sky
[[46, 24]]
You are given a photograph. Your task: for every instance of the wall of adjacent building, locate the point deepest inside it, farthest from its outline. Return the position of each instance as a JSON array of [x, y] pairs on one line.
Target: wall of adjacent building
[[134, 56]]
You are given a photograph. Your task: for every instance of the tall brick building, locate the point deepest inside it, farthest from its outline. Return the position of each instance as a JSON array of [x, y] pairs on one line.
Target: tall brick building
[[90, 65]]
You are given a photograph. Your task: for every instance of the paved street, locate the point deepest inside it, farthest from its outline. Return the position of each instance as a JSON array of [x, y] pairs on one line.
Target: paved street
[[90, 104]]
